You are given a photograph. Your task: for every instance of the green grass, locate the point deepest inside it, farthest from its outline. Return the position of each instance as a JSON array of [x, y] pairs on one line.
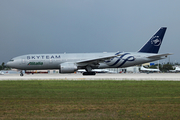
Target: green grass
[[60, 99]]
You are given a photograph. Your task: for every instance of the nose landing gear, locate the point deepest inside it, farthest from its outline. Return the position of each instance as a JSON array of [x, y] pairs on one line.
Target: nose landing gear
[[21, 73]]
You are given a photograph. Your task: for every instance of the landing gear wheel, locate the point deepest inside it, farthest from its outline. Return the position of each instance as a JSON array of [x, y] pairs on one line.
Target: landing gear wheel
[[89, 73], [21, 73]]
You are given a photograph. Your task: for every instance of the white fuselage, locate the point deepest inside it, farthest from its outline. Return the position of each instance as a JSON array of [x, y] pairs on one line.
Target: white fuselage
[[53, 61]]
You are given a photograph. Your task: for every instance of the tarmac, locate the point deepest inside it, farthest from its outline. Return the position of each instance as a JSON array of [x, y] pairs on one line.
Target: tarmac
[[98, 76]]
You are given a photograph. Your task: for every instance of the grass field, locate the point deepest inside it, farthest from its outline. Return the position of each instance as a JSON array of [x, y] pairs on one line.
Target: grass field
[[58, 99]]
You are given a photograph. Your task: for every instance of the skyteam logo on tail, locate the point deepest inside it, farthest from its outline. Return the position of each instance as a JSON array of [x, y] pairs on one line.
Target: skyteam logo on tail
[[156, 41]]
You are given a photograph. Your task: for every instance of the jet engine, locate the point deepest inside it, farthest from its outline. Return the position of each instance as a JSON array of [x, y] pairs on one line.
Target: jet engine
[[68, 67]]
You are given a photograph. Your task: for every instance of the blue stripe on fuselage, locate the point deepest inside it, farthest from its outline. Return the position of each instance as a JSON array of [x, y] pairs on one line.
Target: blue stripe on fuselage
[[127, 59], [119, 59]]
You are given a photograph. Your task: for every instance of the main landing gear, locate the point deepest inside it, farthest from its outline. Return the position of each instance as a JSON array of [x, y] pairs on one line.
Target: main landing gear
[[89, 73]]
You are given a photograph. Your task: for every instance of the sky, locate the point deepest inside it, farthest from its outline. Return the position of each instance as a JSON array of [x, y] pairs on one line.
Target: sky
[[85, 26]]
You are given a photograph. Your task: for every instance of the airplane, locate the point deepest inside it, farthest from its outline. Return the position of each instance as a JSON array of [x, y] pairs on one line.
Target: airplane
[[1, 73], [71, 62], [9, 72], [149, 69], [177, 69], [97, 71]]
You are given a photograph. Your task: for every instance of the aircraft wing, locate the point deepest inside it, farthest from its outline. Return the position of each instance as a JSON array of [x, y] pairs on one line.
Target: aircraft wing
[[159, 55], [95, 61]]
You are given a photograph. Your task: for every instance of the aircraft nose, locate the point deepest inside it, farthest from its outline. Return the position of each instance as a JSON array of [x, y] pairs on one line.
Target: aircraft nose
[[8, 64]]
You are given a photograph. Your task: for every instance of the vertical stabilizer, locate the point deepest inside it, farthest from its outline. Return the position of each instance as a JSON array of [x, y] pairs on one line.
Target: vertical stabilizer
[[153, 45]]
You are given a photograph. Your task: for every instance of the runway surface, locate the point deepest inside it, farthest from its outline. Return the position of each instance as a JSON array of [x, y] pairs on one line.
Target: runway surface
[[137, 76]]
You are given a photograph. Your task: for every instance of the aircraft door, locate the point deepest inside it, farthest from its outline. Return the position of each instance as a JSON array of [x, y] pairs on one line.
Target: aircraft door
[[23, 61], [51, 61]]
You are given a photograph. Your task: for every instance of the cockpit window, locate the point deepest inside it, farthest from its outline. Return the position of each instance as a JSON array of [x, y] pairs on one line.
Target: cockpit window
[[11, 60]]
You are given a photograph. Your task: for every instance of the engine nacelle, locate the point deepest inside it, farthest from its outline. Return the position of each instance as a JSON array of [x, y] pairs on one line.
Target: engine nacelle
[[68, 67]]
